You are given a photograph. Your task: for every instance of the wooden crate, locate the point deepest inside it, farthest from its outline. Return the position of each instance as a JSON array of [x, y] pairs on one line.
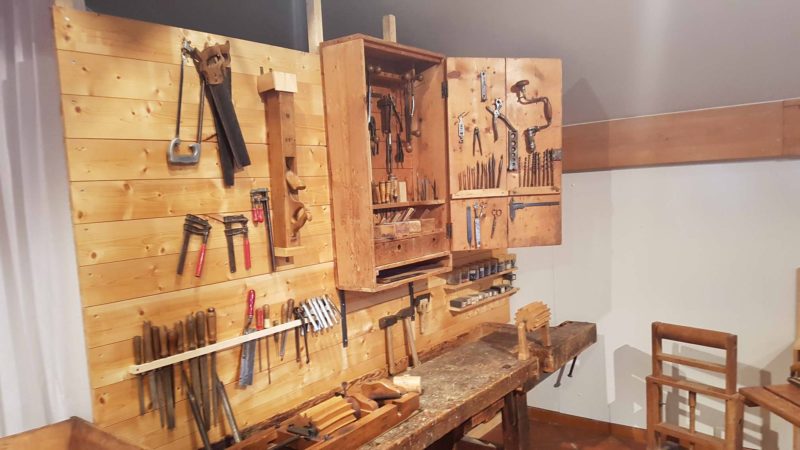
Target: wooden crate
[[71, 434]]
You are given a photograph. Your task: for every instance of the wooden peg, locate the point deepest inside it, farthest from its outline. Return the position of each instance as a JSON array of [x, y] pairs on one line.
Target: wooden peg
[[389, 28]]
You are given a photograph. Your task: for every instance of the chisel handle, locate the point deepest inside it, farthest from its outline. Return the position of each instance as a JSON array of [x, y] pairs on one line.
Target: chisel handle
[[259, 319], [156, 342], [251, 306], [211, 321], [137, 350], [246, 253], [201, 259], [179, 334], [191, 334], [389, 350], [164, 346], [147, 341], [200, 326]]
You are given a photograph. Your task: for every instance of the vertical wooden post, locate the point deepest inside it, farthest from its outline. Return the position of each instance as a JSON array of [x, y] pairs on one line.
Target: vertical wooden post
[[516, 428], [653, 414], [314, 21], [389, 28], [522, 342]]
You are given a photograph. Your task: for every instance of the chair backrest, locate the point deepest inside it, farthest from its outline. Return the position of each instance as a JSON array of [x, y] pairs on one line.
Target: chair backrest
[[656, 428]]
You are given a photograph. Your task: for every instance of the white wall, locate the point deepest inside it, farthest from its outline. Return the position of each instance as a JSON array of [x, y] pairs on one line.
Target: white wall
[[713, 246]]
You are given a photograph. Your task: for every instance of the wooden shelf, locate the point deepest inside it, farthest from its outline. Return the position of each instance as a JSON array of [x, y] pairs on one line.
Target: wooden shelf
[[382, 206], [485, 301], [480, 193], [412, 261], [455, 287]]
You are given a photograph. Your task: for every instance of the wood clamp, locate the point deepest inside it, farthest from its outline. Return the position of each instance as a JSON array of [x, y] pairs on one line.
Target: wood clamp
[[259, 199], [235, 225], [200, 227], [277, 90]]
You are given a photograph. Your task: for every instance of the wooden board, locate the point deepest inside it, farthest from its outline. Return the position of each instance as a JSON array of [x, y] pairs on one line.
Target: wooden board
[[716, 134], [537, 225], [493, 205]]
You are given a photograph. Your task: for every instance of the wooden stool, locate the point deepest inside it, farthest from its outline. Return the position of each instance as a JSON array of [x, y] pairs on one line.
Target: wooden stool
[[530, 318], [657, 429]]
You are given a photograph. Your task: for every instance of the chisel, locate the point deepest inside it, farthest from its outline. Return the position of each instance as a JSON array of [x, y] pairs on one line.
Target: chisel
[[211, 321], [198, 415], [137, 359], [200, 325], [147, 343], [169, 375], [267, 324], [162, 405], [286, 311], [259, 327], [165, 382], [194, 365]]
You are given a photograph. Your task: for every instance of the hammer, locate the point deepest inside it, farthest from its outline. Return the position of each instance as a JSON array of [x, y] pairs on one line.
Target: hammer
[[385, 323], [406, 314]]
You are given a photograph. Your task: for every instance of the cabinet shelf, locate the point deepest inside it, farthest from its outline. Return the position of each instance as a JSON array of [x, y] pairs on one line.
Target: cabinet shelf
[[455, 287], [485, 301], [382, 206]]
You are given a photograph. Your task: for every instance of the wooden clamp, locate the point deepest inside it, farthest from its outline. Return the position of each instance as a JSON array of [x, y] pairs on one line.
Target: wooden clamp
[[277, 90], [530, 318]]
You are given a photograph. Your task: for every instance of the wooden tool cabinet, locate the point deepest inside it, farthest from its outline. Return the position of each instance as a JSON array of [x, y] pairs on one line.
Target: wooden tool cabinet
[[449, 88]]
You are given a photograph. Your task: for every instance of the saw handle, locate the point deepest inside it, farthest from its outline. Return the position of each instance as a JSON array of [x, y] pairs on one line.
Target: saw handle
[[211, 321]]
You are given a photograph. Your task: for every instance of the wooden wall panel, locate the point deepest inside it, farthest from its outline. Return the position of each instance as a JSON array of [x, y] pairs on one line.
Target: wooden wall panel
[[746, 132], [118, 80]]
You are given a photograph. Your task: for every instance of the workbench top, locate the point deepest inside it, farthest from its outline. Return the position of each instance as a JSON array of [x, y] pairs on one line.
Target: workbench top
[[471, 377]]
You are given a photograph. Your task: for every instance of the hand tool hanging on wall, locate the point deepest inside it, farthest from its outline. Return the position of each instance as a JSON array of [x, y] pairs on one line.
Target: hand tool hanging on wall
[[388, 109], [469, 226], [512, 143], [226, 407], [496, 213], [194, 157], [410, 106], [247, 360], [371, 126], [261, 214], [211, 322], [205, 385], [213, 64], [137, 358], [277, 90], [476, 140], [194, 363], [530, 132], [194, 225], [300, 314], [478, 210], [267, 324], [286, 314], [159, 375], [460, 128], [169, 348], [196, 412], [513, 206], [259, 327], [235, 225], [386, 323], [147, 350], [406, 314], [484, 87], [424, 312]]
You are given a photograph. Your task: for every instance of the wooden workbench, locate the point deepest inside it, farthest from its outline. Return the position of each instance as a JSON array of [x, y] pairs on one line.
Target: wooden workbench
[[482, 374]]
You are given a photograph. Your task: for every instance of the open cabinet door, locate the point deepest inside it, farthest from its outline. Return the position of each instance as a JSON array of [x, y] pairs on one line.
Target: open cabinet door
[[534, 106], [477, 177]]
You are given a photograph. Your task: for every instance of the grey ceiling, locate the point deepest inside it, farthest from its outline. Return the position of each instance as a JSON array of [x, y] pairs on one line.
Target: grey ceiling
[[622, 58]]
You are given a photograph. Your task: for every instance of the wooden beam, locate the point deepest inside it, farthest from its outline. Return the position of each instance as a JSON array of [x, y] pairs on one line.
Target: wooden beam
[[314, 21], [746, 132], [389, 28]]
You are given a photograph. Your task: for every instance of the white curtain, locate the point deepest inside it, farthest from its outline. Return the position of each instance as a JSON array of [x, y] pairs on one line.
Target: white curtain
[[43, 370]]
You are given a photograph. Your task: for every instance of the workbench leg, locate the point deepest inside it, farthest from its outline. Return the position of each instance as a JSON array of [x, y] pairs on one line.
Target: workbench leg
[[516, 427]]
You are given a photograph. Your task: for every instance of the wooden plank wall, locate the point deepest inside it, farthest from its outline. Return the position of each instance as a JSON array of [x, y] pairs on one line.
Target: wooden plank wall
[[745, 132], [119, 92]]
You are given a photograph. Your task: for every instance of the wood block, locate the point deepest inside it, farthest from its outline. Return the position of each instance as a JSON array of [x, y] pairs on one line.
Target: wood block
[[289, 252], [277, 81]]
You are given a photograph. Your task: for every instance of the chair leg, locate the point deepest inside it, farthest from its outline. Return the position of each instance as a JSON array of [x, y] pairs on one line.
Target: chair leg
[[653, 415]]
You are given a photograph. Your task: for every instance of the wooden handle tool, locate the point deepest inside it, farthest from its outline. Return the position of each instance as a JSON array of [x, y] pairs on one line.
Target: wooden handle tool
[[211, 322], [137, 359]]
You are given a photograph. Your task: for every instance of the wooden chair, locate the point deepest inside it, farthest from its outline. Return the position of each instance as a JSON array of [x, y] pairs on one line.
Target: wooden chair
[[530, 318], [657, 429]]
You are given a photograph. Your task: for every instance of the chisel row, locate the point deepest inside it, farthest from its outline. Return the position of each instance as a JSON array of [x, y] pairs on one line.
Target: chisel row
[[205, 392], [485, 175]]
